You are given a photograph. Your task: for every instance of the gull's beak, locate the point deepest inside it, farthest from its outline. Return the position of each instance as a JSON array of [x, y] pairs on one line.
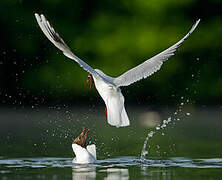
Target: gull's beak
[[90, 81]]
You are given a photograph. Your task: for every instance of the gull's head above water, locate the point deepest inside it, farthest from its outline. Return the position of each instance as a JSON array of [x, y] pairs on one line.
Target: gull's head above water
[[90, 81], [81, 139]]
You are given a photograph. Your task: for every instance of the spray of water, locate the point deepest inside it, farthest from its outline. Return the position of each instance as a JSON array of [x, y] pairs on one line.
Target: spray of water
[[144, 151], [162, 126]]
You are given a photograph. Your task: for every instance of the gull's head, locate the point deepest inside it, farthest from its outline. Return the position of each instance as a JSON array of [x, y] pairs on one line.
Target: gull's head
[[81, 139], [90, 81]]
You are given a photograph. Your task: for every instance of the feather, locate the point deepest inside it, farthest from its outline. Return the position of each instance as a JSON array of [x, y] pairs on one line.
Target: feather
[[151, 65]]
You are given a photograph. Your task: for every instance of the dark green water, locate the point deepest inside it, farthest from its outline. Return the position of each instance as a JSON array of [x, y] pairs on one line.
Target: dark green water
[[35, 143]]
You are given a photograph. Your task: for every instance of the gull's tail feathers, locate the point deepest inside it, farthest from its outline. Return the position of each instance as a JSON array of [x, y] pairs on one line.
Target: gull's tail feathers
[[116, 113]]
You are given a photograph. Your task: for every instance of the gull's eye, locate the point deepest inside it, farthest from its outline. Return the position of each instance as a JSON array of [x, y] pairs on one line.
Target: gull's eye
[[78, 139]]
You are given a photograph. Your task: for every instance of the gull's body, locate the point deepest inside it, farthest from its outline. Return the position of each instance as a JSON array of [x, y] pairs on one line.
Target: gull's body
[[114, 100], [109, 87]]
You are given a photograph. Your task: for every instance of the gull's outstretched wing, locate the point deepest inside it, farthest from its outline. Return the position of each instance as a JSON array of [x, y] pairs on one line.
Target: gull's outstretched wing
[[92, 150], [54, 37], [151, 65]]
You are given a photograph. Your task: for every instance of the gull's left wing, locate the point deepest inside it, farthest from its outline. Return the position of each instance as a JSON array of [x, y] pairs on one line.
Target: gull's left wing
[[54, 37], [151, 65]]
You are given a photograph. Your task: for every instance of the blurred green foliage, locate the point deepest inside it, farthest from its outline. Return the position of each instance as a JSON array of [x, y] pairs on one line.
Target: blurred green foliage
[[113, 36]]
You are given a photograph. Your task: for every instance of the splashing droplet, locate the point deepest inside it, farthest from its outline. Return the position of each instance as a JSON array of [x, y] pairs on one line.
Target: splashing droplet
[[188, 114], [144, 152]]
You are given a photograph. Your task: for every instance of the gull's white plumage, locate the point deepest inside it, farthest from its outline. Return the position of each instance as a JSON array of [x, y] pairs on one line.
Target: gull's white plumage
[[109, 87], [84, 155], [114, 100], [151, 65]]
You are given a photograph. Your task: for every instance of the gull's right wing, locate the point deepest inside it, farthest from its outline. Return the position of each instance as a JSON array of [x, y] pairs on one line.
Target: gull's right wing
[[92, 150], [151, 65]]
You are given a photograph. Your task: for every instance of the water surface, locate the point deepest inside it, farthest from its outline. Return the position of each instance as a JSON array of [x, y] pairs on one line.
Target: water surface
[[36, 144], [117, 168]]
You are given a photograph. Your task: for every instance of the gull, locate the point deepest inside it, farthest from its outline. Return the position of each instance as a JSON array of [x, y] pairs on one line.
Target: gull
[[84, 154], [107, 86]]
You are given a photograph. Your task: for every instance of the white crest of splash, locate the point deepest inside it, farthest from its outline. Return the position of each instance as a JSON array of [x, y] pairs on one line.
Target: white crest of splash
[[162, 126], [144, 152]]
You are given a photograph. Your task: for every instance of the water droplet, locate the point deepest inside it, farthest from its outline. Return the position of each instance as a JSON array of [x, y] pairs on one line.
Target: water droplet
[[151, 134], [187, 113], [163, 126]]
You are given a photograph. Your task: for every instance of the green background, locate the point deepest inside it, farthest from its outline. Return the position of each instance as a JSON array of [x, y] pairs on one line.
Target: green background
[[113, 36]]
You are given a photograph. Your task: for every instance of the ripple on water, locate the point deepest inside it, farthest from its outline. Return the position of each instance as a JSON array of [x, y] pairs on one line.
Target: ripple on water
[[125, 161]]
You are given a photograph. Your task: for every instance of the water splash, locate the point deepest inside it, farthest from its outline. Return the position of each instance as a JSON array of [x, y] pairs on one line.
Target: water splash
[[144, 152], [164, 125], [150, 134]]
